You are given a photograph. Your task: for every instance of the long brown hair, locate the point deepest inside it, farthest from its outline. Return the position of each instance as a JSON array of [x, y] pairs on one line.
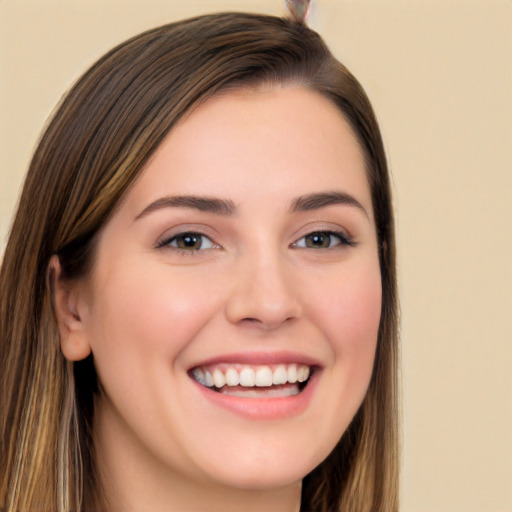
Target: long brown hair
[[98, 141]]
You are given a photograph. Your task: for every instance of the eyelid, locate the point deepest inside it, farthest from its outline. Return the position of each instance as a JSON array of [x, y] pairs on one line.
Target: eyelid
[[333, 227], [344, 239], [165, 240]]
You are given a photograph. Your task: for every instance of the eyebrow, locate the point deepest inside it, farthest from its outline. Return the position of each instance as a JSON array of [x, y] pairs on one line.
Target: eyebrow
[[223, 207], [323, 199], [226, 207]]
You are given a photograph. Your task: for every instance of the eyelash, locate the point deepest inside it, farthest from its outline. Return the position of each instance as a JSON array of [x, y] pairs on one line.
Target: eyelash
[[343, 239], [168, 242]]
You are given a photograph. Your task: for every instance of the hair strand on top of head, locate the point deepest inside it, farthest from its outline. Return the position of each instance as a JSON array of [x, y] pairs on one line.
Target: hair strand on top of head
[[299, 9]]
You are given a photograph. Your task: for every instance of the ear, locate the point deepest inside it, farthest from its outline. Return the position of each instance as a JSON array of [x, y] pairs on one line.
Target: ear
[[66, 303]]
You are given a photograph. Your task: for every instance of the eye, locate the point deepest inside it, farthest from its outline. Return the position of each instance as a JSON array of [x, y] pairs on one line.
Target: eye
[[322, 240], [189, 241]]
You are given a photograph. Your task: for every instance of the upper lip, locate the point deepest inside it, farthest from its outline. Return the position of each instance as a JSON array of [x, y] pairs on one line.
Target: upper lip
[[260, 358]]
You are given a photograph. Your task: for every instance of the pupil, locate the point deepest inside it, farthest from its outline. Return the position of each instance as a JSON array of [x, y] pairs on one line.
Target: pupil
[[319, 240], [190, 242]]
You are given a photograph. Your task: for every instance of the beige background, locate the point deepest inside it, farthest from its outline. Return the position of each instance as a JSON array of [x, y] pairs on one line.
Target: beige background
[[440, 77]]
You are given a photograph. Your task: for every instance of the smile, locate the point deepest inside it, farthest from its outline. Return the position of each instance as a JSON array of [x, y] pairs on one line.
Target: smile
[[254, 381]]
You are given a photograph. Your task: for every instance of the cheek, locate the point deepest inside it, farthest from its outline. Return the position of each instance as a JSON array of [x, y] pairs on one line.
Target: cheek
[[346, 308], [350, 305], [359, 309], [145, 316], [350, 313]]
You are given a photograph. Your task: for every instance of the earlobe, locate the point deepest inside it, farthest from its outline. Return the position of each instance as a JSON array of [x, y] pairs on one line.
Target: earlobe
[[73, 339]]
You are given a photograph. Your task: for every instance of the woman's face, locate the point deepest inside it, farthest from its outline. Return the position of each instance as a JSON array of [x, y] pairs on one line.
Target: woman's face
[[246, 252]]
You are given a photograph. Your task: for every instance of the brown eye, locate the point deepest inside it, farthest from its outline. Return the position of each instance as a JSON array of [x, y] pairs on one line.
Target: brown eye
[[190, 242], [322, 240], [318, 240]]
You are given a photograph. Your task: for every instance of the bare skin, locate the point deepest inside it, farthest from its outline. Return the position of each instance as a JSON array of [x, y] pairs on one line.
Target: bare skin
[[247, 244]]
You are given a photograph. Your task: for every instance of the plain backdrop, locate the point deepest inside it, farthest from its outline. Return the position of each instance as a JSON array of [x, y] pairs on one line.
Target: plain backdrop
[[439, 74]]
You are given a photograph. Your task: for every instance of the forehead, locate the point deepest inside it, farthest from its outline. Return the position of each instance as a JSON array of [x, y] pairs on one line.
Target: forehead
[[264, 142]]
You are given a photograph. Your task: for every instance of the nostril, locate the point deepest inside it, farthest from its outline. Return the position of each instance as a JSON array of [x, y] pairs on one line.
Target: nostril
[[265, 324], [253, 322]]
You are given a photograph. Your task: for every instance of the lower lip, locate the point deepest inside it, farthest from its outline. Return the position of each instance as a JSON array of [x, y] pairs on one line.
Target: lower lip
[[263, 408]]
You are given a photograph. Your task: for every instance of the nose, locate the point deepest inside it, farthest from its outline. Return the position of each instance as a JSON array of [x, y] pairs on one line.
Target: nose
[[263, 294]]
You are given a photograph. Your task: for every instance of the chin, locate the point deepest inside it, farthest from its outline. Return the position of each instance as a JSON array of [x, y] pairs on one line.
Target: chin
[[271, 470], [262, 479]]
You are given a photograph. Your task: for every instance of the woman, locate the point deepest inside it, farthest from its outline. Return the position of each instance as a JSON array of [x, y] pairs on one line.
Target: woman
[[198, 298]]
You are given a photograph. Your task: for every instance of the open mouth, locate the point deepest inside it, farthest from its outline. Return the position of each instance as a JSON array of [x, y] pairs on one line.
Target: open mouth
[[254, 381]]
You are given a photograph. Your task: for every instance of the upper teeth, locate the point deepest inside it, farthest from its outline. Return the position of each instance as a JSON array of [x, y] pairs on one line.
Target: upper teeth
[[251, 376]]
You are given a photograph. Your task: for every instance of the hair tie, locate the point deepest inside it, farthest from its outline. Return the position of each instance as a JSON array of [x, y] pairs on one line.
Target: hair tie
[[299, 9]]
